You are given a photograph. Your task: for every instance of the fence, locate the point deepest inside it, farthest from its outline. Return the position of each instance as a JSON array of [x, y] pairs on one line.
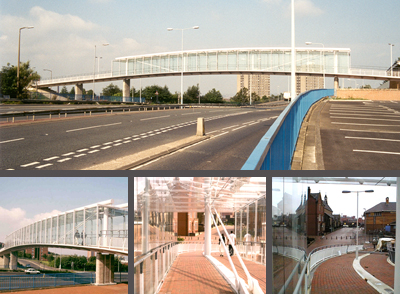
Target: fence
[[276, 148], [254, 251]]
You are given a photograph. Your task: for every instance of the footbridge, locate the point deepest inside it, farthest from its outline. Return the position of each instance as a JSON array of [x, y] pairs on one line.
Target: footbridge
[[329, 62], [101, 227], [175, 244]]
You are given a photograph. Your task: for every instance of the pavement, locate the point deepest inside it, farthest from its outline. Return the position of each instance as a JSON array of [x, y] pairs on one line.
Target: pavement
[[349, 135], [89, 289]]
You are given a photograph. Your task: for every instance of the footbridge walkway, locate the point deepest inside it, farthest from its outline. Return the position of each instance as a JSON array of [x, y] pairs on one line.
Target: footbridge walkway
[[101, 227], [329, 62]]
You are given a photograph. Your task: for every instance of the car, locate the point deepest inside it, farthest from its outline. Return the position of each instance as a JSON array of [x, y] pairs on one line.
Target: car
[[27, 265], [31, 271]]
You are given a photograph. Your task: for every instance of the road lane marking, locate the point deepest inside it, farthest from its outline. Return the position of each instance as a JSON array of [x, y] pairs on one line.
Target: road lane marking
[[126, 138], [117, 144], [108, 143], [143, 137], [372, 125], [68, 154], [155, 117], [13, 140], [83, 154], [367, 131], [220, 134], [81, 150], [375, 139], [116, 141], [99, 126], [93, 151], [249, 122], [213, 132], [65, 159], [136, 139], [29, 164], [379, 152], [106, 147], [370, 118], [51, 158], [190, 113], [95, 146], [239, 128], [44, 165], [128, 141], [229, 127]]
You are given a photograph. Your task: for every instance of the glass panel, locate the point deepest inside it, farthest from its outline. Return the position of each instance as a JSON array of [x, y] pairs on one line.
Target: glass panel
[[61, 226], [78, 234], [68, 227], [48, 230], [54, 230]]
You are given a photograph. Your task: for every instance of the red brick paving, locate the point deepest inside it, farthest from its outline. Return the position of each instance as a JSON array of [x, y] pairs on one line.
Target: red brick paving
[[337, 276], [192, 273], [283, 267], [256, 270], [117, 289], [377, 265]]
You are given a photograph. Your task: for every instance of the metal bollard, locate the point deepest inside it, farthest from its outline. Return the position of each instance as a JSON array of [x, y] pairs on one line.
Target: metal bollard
[[65, 114], [13, 119], [59, 115], [33, 117], [90, 114], [50, 115], [84, 113], [200, 127]]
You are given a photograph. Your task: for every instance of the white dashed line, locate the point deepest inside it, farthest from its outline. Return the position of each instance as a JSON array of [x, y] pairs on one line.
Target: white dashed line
[[127, 141], [29, 164], [68, 154], [229, 127], [155, 117], [108, 143], [93, 151], [79, 155], [65, 159], [379, 152], [12, 140], [239, 128], [94, 127], [190, 113], [105, 147], [117, 144], [51, 158], [374, 139], [116, 141], [81, 150], [136, 139], [44, 165], [95, 146]]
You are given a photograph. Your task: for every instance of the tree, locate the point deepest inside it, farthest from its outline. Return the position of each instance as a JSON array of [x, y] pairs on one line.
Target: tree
[[72, 91], [213, 96], [366, 87], [111, 90], [64, 90], [241, 97], [164, 95], [191, 95], [8, 78]]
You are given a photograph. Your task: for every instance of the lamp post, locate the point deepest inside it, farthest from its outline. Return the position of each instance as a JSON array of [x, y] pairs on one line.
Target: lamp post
[[391, 59], [183, 60], [94, 66], [323, 61], [19, 47], [365, 191]]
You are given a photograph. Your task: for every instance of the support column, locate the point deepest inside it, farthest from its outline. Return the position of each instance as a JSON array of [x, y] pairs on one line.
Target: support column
[[207, 232], [5, 261], [397, 250], [145, 218], [104, 269], [336, 84], [78, 91], [125, 90], [14, 260]]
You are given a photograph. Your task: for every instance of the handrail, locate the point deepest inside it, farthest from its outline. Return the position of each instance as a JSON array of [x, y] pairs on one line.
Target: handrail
[[275, 150], [151, 252]]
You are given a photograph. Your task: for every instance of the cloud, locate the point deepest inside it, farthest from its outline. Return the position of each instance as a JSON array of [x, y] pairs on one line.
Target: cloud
[[15, 218], [306, 8], [3, 38]]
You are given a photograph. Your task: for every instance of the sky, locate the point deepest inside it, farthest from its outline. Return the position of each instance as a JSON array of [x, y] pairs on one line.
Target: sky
[[345, 204], [27, 200], [65, 33]]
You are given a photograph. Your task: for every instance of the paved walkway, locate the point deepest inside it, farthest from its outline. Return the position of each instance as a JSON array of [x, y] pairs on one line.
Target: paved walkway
[[117, 289], [377, 265], [192, 273], [256, 270], [337, 276]]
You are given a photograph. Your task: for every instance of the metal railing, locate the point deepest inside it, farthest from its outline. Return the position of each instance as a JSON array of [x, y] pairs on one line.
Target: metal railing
[[314, 258], [275, 150], [254, 251], [392, 251]]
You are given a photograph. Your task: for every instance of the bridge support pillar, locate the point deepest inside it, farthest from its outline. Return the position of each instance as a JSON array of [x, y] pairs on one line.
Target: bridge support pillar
[[125, 90], [5, 261], [78, 91], [104, 269], [14, 260], [335, 84]]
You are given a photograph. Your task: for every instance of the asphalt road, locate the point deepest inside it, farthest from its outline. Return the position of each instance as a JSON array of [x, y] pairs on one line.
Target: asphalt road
[[360, 135], [79, 143], [13, 108]]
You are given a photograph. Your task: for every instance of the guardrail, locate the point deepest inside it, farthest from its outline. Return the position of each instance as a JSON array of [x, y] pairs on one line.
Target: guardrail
[[254, 251], [275, 150]]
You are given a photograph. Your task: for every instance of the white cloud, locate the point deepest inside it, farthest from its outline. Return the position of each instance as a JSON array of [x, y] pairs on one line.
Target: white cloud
[[306, 8], [15, 218]]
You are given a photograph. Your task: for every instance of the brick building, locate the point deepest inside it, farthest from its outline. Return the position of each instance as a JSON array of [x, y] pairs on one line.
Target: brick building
[[37, 252], [379, 216]]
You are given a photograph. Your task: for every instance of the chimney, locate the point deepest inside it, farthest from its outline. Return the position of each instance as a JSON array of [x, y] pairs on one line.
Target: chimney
[[326, 199], [387, 200]]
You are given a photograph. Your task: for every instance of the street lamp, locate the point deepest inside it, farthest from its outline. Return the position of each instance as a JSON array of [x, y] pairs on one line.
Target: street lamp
[[323, 61], [391, 59], [19, 46], [94, 66], [365, 191], [183, 60]]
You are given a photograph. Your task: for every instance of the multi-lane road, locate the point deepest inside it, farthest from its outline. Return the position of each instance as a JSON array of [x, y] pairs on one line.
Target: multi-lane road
[[84, 142]]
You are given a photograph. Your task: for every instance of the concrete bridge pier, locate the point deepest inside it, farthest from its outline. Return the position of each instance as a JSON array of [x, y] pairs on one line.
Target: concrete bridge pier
[[14, 260], [5, 261], [126, 85], [104, 269], [335, 84], [78, 91]]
